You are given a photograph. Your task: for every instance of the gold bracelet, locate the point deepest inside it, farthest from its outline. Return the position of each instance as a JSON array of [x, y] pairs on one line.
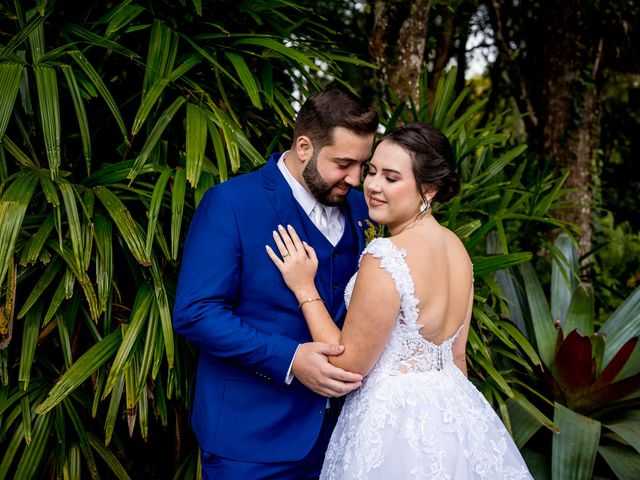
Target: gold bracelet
[[310, 299]]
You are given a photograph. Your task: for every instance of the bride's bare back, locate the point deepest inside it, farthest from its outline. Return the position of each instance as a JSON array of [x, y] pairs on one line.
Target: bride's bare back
[[442, 275]]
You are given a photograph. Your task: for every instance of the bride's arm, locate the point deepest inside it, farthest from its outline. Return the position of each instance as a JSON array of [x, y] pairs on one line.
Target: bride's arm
[[372, 311], [459, 347]]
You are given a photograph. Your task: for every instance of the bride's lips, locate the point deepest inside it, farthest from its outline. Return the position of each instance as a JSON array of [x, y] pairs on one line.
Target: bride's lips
[[375, 202]]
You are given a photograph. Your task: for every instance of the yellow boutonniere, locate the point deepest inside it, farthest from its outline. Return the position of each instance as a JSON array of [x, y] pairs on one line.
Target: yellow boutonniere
[[372, 232]]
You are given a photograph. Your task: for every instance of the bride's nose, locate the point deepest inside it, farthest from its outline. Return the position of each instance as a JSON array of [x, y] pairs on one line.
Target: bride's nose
[[371, 184]]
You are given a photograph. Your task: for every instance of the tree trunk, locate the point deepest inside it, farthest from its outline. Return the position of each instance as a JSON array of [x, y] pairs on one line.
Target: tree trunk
[[399, 52], [556, 85], [569, 114]]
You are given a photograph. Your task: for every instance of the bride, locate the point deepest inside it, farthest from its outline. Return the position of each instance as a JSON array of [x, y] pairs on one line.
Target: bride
[[409, 309]]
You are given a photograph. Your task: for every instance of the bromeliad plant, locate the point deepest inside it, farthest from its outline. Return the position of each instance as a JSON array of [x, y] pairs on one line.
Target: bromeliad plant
[[591, 373]]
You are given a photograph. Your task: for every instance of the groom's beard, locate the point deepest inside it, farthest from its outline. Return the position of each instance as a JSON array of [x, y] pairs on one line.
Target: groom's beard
[[319, 188]]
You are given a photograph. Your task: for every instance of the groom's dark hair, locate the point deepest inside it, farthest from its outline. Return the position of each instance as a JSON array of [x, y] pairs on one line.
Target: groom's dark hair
[[323, 111]]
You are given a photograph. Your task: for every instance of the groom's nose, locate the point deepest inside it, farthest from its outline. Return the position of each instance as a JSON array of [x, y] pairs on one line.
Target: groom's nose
[[354, 174]]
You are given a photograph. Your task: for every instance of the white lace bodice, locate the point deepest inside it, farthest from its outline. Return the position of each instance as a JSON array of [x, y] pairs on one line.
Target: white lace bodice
[[406, 350]]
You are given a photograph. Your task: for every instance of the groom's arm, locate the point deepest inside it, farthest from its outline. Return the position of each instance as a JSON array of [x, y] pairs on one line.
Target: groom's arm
[[208, 289]]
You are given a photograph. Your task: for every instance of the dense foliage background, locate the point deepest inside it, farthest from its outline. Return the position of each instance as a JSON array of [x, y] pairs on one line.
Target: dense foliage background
[[115, 117]]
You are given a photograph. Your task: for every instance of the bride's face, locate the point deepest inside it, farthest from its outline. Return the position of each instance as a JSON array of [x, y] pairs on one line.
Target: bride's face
[[390, 187]]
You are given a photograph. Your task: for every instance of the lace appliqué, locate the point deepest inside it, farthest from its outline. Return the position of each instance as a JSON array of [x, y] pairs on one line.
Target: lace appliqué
[[406, 350], [416, 415]]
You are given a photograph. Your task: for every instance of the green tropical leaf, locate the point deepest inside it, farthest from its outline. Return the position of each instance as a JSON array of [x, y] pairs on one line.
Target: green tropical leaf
[[99, 84], [442, 101], [581, 313], [544, 329], [25, 408], [573, 450], [164, 120], [524, 425], [33, 247], [563, 281], [29, 340], [95, 40], [627, 426], [139, 315], [81, 113], [72, 468], [113, 412], [109, 458], [41, 285], [624, 461], [13, 206], [47, 85], [10, 76], [177, 209], [73, 219], [82, 369], [163, 47], [81, 276], [164, 311], [83, 437], [154, 209], [122, 16], [11, 450], [34, 23], [150, 341], [196, 142], [621, 326], [485, 265], [246, 78], [33, 452], [128, 228]]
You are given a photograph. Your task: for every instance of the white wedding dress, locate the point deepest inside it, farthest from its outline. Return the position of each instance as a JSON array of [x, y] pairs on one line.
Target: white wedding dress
[[416, 415]]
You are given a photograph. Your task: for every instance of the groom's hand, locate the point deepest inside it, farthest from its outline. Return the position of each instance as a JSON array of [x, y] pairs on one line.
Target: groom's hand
[[311, 366]]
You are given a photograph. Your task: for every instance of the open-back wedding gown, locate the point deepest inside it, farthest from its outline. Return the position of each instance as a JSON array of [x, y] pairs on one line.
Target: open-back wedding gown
[[416, 415]]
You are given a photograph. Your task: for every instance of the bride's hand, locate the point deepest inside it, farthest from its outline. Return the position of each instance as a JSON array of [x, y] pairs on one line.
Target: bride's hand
[[297, 261]]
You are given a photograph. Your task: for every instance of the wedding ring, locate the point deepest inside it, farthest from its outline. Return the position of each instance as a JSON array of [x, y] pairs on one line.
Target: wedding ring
[[285, 254]]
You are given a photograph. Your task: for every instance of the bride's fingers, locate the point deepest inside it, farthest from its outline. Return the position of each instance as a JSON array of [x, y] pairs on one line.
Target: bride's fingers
[[282, 248], [295, 238], [287, 239], [311, 252], [274, 258]]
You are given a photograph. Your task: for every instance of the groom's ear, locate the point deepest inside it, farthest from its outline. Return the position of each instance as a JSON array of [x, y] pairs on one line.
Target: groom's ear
[[304, 148]]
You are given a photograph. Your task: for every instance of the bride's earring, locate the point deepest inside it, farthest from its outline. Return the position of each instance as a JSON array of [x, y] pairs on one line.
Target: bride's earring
[[426, 204]]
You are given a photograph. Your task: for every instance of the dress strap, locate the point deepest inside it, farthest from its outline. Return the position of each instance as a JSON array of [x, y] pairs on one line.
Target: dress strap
[[392, 260]]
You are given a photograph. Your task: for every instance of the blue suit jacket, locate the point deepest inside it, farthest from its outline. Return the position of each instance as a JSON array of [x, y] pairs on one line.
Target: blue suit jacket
[[232, 303]]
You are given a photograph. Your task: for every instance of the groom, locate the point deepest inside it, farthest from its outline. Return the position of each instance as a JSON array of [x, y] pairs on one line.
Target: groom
[[260, 407]]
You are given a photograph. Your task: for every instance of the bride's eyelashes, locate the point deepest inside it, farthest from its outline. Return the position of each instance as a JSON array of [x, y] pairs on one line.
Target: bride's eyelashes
[[370, 173]]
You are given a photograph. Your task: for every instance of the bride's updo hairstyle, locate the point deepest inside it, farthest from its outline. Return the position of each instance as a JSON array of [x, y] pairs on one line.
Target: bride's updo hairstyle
[[431, 158]]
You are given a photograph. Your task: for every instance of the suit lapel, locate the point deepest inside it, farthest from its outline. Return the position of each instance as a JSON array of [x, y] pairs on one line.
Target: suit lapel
[[356, 215], [285, 205], [279, 194]]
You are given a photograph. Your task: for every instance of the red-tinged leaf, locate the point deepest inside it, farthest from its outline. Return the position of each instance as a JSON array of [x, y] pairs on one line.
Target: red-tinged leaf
[[616, 364], [609, 395], [574, 367]]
